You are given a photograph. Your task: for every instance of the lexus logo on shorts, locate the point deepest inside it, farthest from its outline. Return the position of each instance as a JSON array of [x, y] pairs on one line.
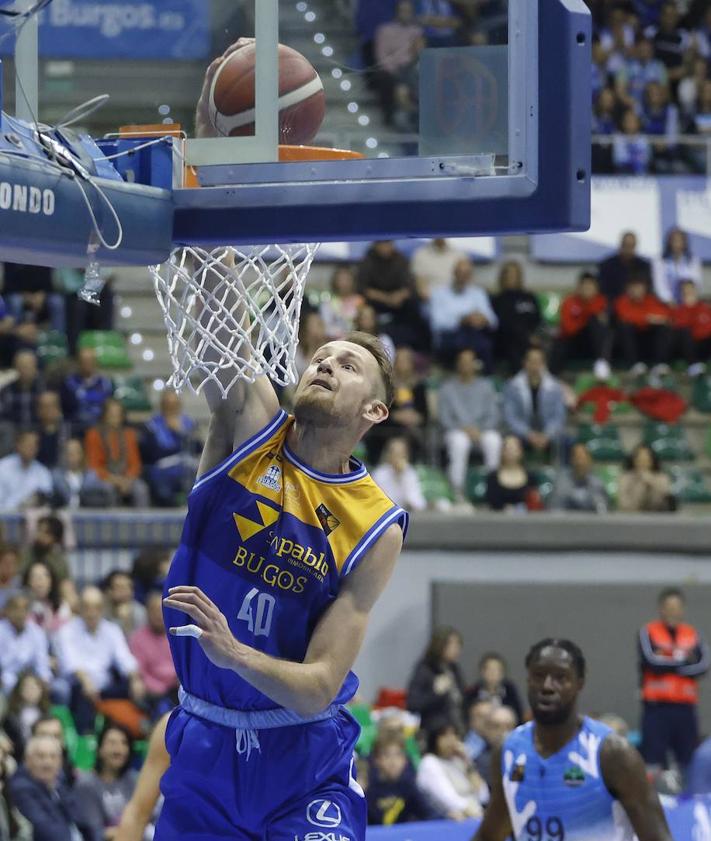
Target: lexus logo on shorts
[[323, 813]]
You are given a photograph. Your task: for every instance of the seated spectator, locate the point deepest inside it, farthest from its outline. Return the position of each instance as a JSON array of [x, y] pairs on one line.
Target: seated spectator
[[48, 547], [13, 336], [643, 328], [18, 399], [440, 21], [121, 607], [534, 405], [28, 702], [660, 118], [447, 778], [631, 152], [676, 265], [393, 796], [638, 71], [493, 685], [149, 569], [51, 725], [149, 645], [30, 295], [617, 269], [577, 488], [85, 392], [435, 690], [112, 452], [605, 113], [80, 314], [312, 335], [477, 714], [385, 282], [397, 46], [644, 486], [469, 416], [13, 824], [9, 573], [585, 331], [433, 265], [461, 317], [105, 791], [600, 71], [24, 482], [409, 411], [367, 322], [93, 653], [38, 791], [169, 450], [52, 429], [339, 311], [23, 645], [670, 41], [518, 313], [692, 324], [398, 478], [48, 609], [690, 92], [499, 723], [511, 487], [74, 485]]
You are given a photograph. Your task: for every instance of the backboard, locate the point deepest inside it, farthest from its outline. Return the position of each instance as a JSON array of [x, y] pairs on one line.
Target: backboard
[[472, 118]]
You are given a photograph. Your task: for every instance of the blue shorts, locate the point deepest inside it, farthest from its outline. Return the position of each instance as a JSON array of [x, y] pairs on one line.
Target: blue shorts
[[292, 783]]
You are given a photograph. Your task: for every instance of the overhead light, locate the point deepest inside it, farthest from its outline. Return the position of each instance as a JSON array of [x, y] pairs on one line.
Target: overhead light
[[158, 385], [372, 143], [336, 73], [126, 312], [353, 107], [364, 120], [148, 355], [345, 85], [319, 38], [135, 338], [327, 51], [310, 17]]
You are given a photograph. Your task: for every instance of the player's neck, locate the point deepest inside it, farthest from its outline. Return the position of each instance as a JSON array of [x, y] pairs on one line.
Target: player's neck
[[323, 449], [550, 738]]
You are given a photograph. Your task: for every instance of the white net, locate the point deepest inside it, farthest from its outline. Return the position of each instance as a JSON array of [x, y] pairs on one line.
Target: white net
[[233, 313]]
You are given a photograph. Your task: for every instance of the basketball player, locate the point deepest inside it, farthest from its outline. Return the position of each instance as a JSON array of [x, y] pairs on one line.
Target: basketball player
[[563, 776]]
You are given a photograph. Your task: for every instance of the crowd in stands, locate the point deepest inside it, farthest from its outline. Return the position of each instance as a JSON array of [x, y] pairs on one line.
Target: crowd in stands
[[651, 71]]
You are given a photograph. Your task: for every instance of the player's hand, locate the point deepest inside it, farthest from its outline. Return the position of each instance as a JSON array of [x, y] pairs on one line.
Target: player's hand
[[203, 123], [210, 629]]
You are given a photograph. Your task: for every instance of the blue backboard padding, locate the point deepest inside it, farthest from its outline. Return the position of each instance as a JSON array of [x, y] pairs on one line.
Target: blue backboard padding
[[647, 206]]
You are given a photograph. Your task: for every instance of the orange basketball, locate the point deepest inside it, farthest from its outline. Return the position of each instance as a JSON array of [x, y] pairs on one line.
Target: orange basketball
[[302, 103]]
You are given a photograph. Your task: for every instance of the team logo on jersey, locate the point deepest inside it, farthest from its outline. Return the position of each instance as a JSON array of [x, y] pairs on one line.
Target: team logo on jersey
[[248, 528], [271, 478], [328, 522], [518, 773], [323, 813], [573, 776]]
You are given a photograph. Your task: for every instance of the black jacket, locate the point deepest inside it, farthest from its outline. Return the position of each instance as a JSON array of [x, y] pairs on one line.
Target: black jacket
[[435, 708], [397, 801], [50, 813]]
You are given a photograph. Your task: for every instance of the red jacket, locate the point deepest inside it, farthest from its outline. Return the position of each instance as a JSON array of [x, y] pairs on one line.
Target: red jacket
[[672, 661], [576, 312], [637, 312], [696, 319]]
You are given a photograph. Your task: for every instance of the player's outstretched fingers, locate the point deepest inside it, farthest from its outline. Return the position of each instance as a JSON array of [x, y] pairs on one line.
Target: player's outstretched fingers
[[187, 631], [187, 604], [197, 597]]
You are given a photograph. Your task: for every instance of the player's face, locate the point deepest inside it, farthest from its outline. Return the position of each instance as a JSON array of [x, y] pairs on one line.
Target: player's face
[[553, 686], [339, 386]]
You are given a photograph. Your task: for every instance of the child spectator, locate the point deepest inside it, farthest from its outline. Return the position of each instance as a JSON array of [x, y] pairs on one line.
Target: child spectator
[[398, 478], [631, 152], [339, 311], [511, 487], [584, 328], [692, 318], [149, 645], [518, 312], [28, 702], [393, 796], [84, 393], [24, 482], [677, 264], [644, 487], [643, 328], [47, 607], [121, 607], [76, 486]]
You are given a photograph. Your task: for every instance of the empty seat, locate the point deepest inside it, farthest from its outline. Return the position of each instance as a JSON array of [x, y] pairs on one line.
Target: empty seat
[[668, 441], [602, 440]]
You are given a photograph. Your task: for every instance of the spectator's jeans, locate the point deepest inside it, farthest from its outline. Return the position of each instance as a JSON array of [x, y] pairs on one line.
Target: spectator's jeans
[[83, 709], [669, 728], [594, 341], [652, 345], [459, 445]]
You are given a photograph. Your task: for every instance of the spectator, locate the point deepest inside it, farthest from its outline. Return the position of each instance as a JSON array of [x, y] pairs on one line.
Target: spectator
[[18, 399], [616, 270], [577, 488], [499, 723], [31, 297], [397, 46], [644, 487], [112, 452], [28, 702], [461, 317], [673, 657], [676, 265], [13, 336], [105, 791], [53, 431], [632, 78], [149, 645], [660, 118], [385, 281], [339, 310], [600, 71], [84, 393], [690, 93], [149, 569], [631, 152], [9, 569], [643, 328], [493, 685], [43, 798], [312, 335], [585, 328], [477, 715], [670, 42], [90, 650], [367, 322], [73, 485], [518, 313], [23, 646], [393, 796], [398, 478], [121, 607], [48, 610], [605, 112], [446, 777], [692, 322], [436, 688], [51, 725], [534, 405], [440, 21], [14, 826], [511, 487], [433, 265], [469, 416], [169, 449], [48, 547], [24, 482]]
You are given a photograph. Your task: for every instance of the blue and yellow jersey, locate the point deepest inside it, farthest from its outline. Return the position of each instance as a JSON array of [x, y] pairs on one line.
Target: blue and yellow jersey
[[270, 540]]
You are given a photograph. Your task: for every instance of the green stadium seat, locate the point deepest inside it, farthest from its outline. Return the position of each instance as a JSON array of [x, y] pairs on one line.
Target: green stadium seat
[[668, 441], [701, 394], [64, 714], [689, 485], [476, 485], [52, 347], [610, 475], [133, 395], [361, 713], [550, 303], [603, 441], [366, 740], [435, 485], [110, 347], [85, 753]]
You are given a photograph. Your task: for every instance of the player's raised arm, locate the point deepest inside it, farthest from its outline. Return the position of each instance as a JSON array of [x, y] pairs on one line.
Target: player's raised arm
[[496, 824], [625, 776]]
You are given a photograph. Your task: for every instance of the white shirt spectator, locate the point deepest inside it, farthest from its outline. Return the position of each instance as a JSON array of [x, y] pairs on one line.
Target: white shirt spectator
[[447, 785], [668, 274], [18, 483], [26, 649], [402, 486], [449, 307], [433, 265], [94, 654]]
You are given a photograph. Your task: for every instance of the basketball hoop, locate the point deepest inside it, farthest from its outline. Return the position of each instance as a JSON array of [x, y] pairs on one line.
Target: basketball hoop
[[237, 309]]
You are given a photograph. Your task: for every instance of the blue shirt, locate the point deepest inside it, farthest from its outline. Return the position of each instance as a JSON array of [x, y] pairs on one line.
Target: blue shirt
[[448, 307]]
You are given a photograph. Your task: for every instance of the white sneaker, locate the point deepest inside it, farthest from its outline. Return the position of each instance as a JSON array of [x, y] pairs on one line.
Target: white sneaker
[[698, 369], [639, 369], [660, 370], [601, 369]]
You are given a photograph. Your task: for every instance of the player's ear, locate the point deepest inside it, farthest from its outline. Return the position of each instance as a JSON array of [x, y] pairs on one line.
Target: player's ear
[[376, 411]]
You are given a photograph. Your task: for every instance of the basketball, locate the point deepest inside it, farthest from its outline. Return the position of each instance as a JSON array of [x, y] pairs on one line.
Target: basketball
[[302, 103]]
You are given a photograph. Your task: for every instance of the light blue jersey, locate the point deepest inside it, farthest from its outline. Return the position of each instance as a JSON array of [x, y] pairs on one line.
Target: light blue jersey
[[563, 797]]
